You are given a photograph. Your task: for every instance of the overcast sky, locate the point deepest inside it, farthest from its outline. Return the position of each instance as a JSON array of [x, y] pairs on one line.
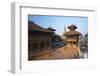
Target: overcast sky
[[58, 22]]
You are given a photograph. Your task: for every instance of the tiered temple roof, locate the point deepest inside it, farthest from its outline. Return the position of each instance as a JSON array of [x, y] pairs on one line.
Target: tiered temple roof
[[72, 31]]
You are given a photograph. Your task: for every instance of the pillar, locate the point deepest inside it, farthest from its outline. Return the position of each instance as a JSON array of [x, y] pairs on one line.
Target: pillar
[[45, 44], [31, 46], [50, 44], [39, 46]]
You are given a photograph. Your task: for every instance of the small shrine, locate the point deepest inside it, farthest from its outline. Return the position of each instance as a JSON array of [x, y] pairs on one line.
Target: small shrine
[[72, 41], [72, 36]]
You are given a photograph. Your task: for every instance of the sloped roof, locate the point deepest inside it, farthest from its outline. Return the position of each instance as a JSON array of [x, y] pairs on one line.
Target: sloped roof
[[72, 33], [33, 26], [71, 39], [72, 26], [50, 28]]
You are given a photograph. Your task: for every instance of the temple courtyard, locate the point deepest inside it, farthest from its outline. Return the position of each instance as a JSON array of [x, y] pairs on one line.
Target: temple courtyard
[[66, 52], [45, 44]]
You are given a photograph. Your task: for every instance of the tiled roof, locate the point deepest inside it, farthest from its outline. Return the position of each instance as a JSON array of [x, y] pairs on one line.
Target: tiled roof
[[50, 28], [71, 39], [35, 27], [72, 33], [72, 26]]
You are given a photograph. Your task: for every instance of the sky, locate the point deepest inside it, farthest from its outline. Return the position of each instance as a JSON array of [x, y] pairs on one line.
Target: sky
[[58, 22]]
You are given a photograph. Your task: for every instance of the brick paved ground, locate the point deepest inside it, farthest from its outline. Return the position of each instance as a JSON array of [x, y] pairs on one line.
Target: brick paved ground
[[66, 52]]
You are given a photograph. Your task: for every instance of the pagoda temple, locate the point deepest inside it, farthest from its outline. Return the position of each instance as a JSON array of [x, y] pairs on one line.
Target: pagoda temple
[[38, 37], [72, 39]]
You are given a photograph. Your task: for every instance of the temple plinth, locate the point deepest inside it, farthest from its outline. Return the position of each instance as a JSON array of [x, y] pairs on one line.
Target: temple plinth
[[72, 40]]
